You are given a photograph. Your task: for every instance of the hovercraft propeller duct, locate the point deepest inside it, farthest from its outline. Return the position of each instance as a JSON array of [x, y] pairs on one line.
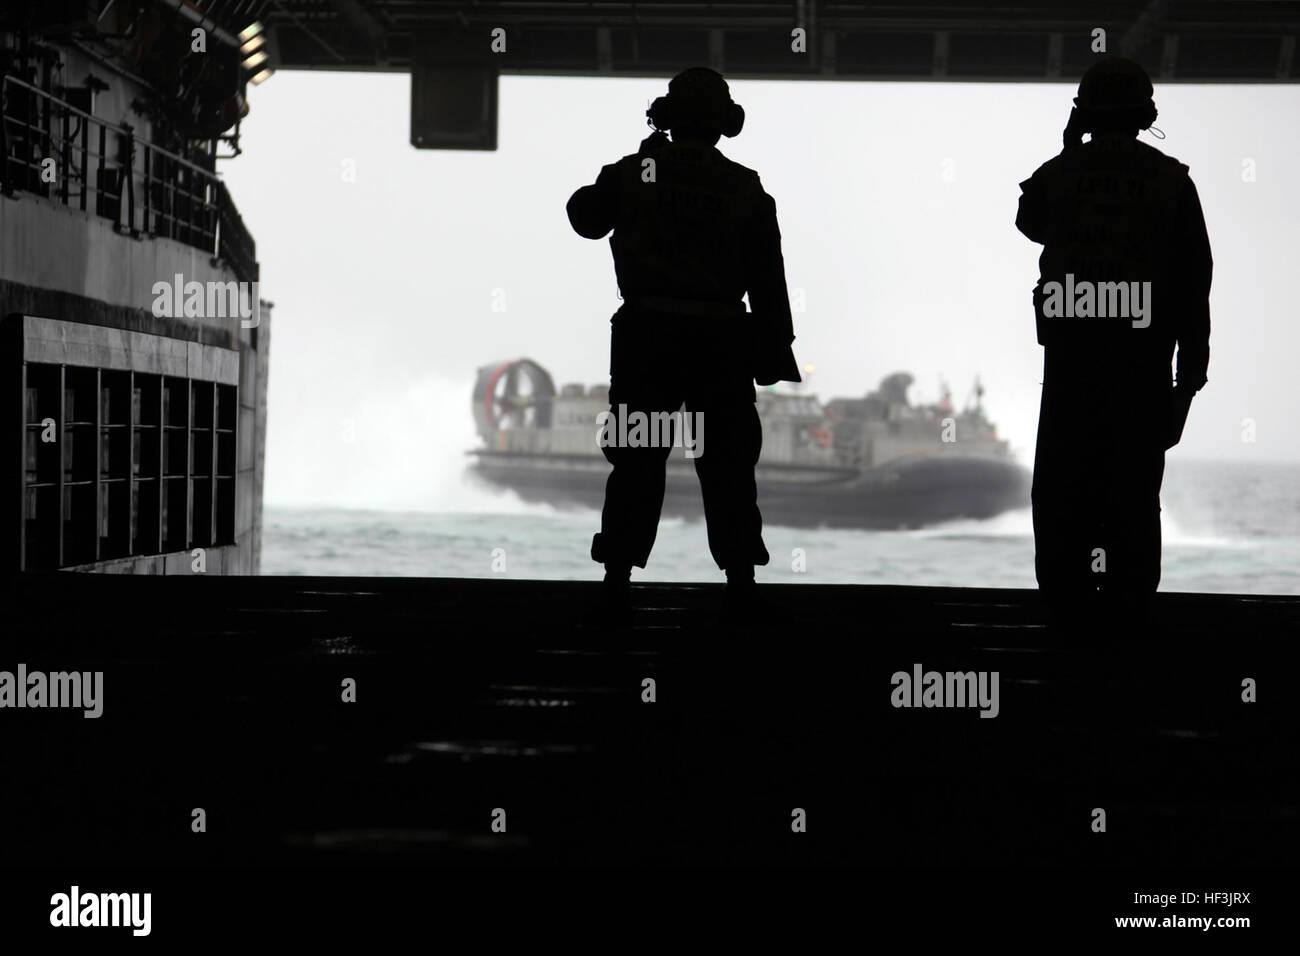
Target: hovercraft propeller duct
[[514, 394]]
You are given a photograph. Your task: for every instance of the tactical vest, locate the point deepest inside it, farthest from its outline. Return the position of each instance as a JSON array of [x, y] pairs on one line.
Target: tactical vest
[[1109, 209], [680, 235]]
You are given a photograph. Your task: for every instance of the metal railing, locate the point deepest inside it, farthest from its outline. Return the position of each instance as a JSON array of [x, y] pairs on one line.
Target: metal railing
[[55, 149]]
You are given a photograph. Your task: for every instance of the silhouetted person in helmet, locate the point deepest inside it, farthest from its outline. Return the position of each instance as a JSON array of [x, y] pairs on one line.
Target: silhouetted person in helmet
[[693, 233], [1124, 277]]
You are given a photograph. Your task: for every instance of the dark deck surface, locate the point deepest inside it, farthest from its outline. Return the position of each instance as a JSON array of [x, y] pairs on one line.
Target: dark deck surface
[[472, 695]]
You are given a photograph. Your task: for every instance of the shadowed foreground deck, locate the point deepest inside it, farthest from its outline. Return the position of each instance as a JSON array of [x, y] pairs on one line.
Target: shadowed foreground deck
[[473, 695]]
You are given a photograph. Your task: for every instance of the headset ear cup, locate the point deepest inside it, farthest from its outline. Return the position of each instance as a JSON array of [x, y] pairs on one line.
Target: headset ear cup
[[734, 121], [660, 114]]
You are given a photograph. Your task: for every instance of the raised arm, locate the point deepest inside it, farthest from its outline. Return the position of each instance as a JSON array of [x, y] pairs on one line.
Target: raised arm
[[1195, 269], [1031, 216], [593, 209], [769, 298]]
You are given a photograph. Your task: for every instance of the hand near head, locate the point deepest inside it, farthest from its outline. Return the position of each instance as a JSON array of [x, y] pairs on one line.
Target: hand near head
[[1074, 129]]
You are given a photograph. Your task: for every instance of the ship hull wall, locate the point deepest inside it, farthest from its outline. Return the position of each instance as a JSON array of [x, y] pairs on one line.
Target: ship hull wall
[[101, 329]]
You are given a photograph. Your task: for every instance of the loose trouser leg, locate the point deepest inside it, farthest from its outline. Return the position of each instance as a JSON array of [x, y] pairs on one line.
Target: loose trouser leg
[[1134, 533], [634, 496], [1067, 509], [732, 439]]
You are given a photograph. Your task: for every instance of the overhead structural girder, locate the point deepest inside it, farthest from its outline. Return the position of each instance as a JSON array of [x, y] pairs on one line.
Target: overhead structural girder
[[956, 40]]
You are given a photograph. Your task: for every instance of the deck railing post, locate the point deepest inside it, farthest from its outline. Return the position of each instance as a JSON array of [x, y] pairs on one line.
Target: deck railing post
[[130, 181], [193, 205], [63, 160], [5, 186], [147, 225], [85, 162], [99, 170]]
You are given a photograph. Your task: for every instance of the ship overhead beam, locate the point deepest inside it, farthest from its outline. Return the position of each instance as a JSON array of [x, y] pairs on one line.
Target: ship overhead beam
[[363, 20], [455, 50], [1142, 27], [1193, 41], [283, 14], [196, 17]]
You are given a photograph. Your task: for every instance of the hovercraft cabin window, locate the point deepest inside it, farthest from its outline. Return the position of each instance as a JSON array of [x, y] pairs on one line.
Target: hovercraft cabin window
[[120, 463]]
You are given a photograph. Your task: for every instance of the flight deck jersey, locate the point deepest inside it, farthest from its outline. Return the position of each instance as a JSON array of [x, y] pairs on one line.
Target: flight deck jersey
[[693, 233], [1122, 234]]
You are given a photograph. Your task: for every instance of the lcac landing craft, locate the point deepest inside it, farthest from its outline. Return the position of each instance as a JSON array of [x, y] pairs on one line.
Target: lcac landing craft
[[871, 462]]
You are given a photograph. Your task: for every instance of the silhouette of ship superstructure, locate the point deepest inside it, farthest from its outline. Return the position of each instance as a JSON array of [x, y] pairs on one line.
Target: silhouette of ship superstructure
[[135, 341], [872, 462]]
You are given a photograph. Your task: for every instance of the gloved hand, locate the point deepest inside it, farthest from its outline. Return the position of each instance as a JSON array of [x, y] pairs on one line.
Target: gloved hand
[[1180, 403], [775, 364], [1073, 133]]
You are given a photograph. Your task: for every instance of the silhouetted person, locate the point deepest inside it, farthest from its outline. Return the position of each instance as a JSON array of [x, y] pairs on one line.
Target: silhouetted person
[[693, 232], [1118, 220]]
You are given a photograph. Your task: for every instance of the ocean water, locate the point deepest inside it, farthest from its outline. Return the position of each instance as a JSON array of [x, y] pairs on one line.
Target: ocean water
[[1228, 527]]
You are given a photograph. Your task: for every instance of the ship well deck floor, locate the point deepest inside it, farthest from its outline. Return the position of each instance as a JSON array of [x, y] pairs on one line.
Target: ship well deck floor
[[471, 695]]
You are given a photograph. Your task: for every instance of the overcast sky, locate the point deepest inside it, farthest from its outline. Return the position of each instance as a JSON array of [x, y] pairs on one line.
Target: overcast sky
[[383, 286]]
